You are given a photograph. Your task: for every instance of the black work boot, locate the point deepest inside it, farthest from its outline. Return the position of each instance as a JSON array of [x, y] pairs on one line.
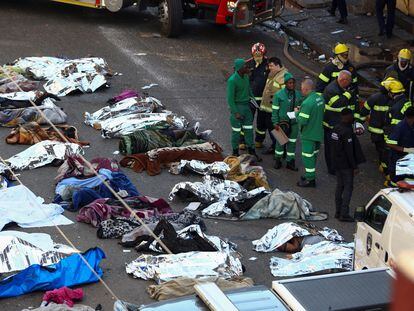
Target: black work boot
[[278, 164], [306, 183], [252, 151], [290, 165], [235, 152]]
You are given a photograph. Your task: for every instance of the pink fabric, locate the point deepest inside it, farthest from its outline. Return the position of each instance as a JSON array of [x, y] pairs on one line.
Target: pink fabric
[[100, 209], [64, 295], [125, 94]]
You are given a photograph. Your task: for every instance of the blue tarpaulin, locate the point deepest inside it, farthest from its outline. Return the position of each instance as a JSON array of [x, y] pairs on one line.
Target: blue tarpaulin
[[70, 271]]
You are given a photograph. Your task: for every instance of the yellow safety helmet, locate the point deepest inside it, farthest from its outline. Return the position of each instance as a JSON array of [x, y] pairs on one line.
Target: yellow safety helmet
[[340, 48], [405, 54], [392, 85]]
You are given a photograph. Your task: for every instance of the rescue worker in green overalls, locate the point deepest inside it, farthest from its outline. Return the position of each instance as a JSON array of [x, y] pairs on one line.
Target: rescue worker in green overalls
[[238, 99], [284, 101], [310, 118]]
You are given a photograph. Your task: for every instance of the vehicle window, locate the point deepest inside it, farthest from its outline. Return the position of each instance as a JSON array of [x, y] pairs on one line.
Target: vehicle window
[[377, 213]]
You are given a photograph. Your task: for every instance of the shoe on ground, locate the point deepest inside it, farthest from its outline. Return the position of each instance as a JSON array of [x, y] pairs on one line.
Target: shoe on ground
[[306, 183], [242, 146], [346, 218], [290, 165], [258, 145], [343, 21], [269, 150], [252, 152], [278, 164]]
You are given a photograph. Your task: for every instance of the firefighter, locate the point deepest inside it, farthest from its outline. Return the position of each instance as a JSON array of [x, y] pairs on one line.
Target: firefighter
[[403, 71], [258, 76], [337, 96], [399, 104], [377, 107], [275, 82], [346, 155], [332, 69], [238, 99], [310, 117], [401, 142], [284, 101]]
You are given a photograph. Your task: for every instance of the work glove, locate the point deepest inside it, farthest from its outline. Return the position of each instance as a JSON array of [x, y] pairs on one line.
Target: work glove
[[408, 150], [359, 128]]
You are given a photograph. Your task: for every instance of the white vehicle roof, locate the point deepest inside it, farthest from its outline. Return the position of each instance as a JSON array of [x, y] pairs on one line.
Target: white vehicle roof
[[404, 199]]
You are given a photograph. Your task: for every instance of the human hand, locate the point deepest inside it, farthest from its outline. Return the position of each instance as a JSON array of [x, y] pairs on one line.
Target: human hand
[[296, 109]]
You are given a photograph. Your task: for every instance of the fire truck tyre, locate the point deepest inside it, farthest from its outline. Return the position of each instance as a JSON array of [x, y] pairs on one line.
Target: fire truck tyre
[[171, 17]]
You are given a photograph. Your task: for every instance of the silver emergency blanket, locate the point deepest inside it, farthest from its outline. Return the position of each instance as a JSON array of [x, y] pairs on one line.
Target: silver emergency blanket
[[221, 245], [127, 124], [18, 204], [64, 76], [31, 95], [164, 268], [325, 255], [41, 154], [283, 205], [212, 191], [405, 166], [282, 233], [63, 307], [200, 167], [19, 250], [128, 106]]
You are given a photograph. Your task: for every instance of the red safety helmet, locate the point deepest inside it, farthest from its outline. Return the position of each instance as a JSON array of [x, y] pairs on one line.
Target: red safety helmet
[[258, 48]]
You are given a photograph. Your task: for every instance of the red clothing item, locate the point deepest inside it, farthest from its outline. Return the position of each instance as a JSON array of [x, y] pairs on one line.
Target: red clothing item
[[63, 295]]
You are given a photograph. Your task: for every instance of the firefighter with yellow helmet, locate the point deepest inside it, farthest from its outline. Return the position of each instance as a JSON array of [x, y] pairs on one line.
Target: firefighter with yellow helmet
[[338, 63], [403, 71]]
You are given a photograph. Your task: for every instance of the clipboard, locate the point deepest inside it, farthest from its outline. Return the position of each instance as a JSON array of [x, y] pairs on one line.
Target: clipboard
[[280, 136]]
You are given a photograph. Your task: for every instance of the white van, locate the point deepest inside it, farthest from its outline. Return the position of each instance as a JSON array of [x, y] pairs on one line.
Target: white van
[[385, 229]]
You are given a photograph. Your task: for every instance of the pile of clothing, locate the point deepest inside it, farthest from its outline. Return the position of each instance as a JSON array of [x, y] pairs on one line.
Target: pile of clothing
[[129, 112], [314, 249]]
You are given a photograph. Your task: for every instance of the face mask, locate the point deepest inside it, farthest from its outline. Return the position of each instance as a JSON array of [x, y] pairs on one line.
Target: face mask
[[400, 64]]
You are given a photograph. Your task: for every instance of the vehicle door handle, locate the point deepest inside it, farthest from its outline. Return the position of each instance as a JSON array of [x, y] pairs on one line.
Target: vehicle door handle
[[377, 245]]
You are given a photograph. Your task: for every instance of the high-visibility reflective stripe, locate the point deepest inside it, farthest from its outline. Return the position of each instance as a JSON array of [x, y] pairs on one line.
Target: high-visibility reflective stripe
[[308, 155], [260, 132], [405, 107], [303, 115], [375, 130], [316, 151], [279, 152], [392, 142], [395, 121], [323, 78], [384, 165], [236, 129], [290, 154], [362, 118], [310, 170], [247, 127], [347, 95], [327, 107], [275, 107], [275, 84], [333, 100], [327, 125], [367, 106], [355, 80], [381, 108], [335, 74], [266, 109], [258, 98], [292, 140]]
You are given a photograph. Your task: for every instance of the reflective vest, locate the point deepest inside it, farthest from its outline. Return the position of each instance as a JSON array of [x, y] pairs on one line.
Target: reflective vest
[[331, 72], [377, 107]]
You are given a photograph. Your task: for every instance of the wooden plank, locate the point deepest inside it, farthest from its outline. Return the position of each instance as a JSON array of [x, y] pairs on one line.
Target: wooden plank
[[213, 297]]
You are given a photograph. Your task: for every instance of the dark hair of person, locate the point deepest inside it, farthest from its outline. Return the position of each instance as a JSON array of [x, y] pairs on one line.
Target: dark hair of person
[[275, 61], [409, 113]]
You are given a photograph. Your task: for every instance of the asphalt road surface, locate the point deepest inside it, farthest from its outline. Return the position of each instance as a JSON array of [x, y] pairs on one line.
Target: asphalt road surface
[[191, 73]]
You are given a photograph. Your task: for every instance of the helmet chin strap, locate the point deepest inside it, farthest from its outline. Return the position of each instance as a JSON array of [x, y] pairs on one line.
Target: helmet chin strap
[[401, 67]]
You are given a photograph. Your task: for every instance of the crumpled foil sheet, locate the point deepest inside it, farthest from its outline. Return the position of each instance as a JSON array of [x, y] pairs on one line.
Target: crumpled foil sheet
[[322, 256], [282, 233], [405, 166], [162, 268], [31, 95], [220, 244], [124, 125], [64, 76], [128, 106], [41, 154], [200, 167]]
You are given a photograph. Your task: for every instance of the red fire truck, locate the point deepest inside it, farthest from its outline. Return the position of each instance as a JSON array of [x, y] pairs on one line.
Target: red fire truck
[[239, 13]]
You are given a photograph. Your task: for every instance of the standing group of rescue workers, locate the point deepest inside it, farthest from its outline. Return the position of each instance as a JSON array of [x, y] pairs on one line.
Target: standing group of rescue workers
[[326, 111]]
